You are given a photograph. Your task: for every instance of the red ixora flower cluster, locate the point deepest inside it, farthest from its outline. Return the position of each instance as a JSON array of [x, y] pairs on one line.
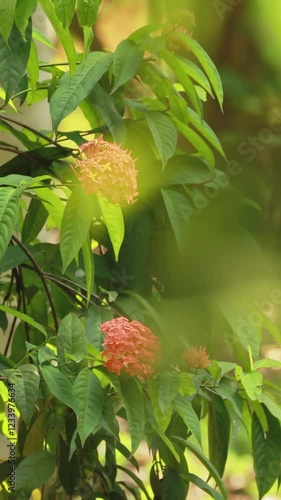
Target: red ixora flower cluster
[[107, 170], [130, 347], [196, 357]]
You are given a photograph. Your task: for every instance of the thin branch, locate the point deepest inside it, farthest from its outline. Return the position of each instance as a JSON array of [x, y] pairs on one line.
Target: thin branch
[[42, 277], [31, 129]]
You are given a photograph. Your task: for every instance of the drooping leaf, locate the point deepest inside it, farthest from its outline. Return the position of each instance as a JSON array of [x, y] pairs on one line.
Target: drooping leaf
[[52, 203], [173, 485], [167, 442], [62, 33], [88, 259], [266, 452], [186, 169], [33, 66], [75, 225], [71, 92], [197, 142], [204, 486], [179, 211], [24, 10], [271, 405], [114, 221], [59, 385], [188, 415], [71, 340], [25, 318], [133, 403], [126, 61], [13, 59], [34, 221], [196, 74], [164, 134], [205, 130], [65, 11], [112, 118], [41, 462], [251, 382], [26, 380], [9, 209], [87, 11], [168, 389], [218, 433], [89, 396], [162, 419], [136, 479], [7, 14]]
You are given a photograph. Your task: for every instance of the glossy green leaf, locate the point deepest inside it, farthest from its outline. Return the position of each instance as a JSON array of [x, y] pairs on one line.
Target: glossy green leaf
[[62, 33], [164, 135], [266, 451], [13, 59], [89, 396], [88, 259], [195, 140], [34, 221], [26, 381], [187, 386], [59, 385], [188, 415], [88, 36], [27, 480], [7, 14], [71, 92], [179, 211], [218, 433], [173, 486], [168, 389], [167, 443], [186, 169], [204, 486], [162, 419], [33, 66], [136, 479], [196, 74], [52, 203], [134, 406], [178, 69], [65, 11], [87, 11], [251, 382], [271, 405], [71, 340], [126, 61], [209, 466], [114, 221], [205, 61], [9, 209], [76, 221], [106, 107], [25, 318], [24, 10], [203, 128]]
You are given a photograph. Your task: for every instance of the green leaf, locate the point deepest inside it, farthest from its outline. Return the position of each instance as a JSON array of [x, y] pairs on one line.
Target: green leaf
[[88, 36], [206, 63], [34, 471], [204, 486], [196, 74], [52, 203], [197, 142], [163, 133], [136, 479], [167, 442], [188, 415], [26, 380], [187, 386], [34, 221], [126, 61], [186, 169], [59, 385], [33, 66], [273, 407], [172, 485], [88, 259], [62, 33], [218, 433], [251, 382], [177, 67], [70, 93], [25, 318], [179, 210], [272, 328], [206, 131], [134, 406], [168, 389], [209, 466], [87, 11], [267, 363], [89, 396], [106, 107], [72, 340], [162, 419], [65, 11], [24, 10], [13, 59], [114, 221], [76, 221], [7, 14], [266, 452], [9, 209]]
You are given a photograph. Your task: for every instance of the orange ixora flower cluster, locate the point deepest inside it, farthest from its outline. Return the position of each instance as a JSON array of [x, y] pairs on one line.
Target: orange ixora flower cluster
[[130, 347], [196, 357], [107, 170]]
